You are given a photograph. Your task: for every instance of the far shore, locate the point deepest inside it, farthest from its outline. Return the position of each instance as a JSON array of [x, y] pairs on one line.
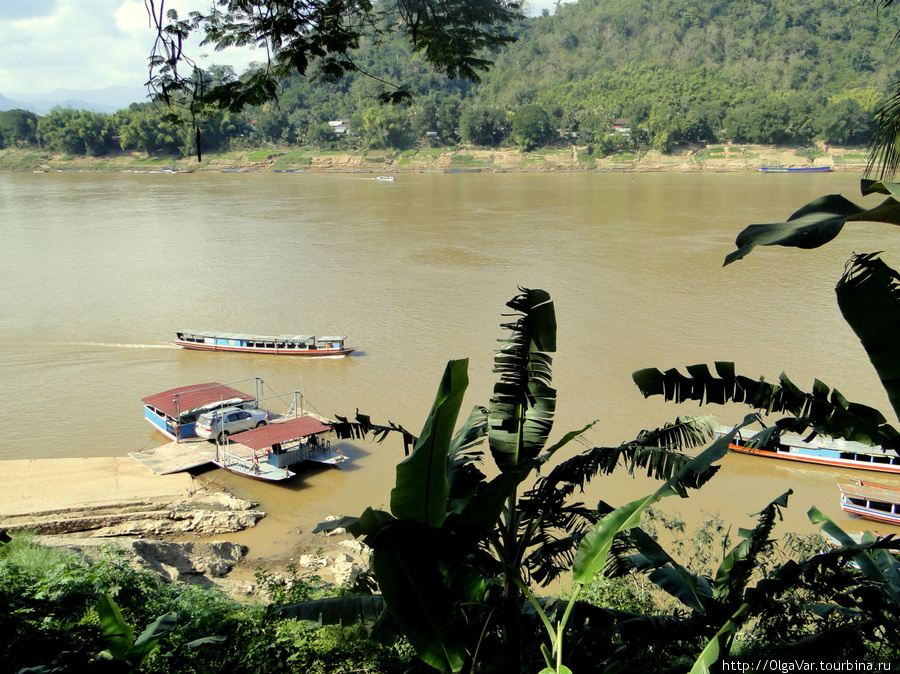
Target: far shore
[[717, 158]]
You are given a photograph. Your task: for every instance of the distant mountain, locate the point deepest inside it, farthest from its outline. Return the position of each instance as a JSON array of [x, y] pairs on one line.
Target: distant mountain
[[106, 100]]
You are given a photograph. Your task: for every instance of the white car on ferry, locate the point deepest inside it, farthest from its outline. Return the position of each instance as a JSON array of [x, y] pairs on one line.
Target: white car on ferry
[[219, 424]]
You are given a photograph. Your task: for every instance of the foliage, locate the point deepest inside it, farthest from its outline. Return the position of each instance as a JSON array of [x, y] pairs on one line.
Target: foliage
[[60, 612], [531, 127], [487, 543]]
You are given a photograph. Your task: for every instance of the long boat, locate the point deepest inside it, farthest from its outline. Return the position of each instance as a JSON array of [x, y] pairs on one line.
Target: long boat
[[876, 502], [794, 169], [821, 451], [174, 412], [268, 452], [282, 345]]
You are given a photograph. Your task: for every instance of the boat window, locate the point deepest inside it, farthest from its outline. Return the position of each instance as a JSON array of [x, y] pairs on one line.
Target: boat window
[[881, 459], [857, 501], [883, 507]]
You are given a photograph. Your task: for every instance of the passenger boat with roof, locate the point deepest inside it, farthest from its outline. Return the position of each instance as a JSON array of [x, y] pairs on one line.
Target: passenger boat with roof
[[174, 413], [821, 451], [876, 502], [268, 452], [282, 345]]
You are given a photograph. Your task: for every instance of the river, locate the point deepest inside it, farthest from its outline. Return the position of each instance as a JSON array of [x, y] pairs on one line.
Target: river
[[99, 270]]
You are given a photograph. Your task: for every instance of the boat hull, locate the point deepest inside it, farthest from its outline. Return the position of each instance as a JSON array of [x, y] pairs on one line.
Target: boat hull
[[794, 169], [819, 460], [875, 502]]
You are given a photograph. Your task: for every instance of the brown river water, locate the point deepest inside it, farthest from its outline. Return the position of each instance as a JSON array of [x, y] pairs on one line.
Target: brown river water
[[99, 270]]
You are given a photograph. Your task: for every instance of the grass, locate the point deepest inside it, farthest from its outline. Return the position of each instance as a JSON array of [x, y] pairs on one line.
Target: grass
[[262, 155], [622, 157]]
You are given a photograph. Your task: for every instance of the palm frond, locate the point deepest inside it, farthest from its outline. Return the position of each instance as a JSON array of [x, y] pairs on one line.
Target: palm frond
[[523, 404], [826, 411], [363, 427], [884, 153]]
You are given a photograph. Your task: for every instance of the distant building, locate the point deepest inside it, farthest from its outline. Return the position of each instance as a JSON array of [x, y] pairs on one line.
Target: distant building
[[340, 127], [622, 126]]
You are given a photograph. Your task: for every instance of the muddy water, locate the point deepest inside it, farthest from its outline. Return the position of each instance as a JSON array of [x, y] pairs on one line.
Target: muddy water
[[98, 271]]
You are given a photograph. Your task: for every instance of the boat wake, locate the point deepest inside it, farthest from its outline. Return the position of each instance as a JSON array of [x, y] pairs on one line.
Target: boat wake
[[117, 345]]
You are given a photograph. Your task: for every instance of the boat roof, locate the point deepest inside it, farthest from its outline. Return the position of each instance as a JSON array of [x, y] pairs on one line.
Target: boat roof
[[255, 338], [191, 397], [282, 431], [871, 491], [818, 442]]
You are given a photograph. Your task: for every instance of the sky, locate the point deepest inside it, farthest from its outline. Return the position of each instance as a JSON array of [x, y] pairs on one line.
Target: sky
[[47, 45]]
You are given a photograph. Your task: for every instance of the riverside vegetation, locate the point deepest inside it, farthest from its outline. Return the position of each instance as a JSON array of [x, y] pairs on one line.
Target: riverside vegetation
[[680, 71], [476, 549]]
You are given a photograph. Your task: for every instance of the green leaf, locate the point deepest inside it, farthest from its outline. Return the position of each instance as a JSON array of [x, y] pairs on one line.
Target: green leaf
[[868, 295], [420, 603], [523, 405], [119, 634], [423, 487], [346, 610], [594, 549], [812, 226]]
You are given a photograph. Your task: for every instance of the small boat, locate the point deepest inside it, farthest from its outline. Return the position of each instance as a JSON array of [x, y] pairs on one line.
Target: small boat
[[174, 413], [268, 452], [282, 345], [876, 502], [388, 179], [822, 451], [794, 169]]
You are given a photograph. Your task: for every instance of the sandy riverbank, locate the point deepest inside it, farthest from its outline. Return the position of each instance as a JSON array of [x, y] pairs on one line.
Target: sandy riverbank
[[458, 159], [165, 522]]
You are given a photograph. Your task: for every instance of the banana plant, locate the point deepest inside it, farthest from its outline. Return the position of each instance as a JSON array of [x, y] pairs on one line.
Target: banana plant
[[457, 552]]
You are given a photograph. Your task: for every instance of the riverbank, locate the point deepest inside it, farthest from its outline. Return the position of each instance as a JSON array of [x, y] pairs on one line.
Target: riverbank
[[448, 160], [167, 523]]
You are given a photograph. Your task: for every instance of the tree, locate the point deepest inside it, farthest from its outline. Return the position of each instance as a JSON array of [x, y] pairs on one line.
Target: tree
[[317, 37], [531, 127], [18, 127], [483, 126], [486, 541]]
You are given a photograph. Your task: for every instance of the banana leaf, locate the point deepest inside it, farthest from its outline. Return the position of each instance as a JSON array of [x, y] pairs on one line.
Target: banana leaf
[[868, 295], [422, 487], [413, 587], [820, 221], [523, 404]]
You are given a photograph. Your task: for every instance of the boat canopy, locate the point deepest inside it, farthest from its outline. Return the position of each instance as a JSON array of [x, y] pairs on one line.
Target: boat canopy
[[281, 432], [192, 397], [241, 336], [871, 492]]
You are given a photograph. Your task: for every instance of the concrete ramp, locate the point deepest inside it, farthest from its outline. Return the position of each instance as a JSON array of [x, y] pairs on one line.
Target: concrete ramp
[[176, 457]]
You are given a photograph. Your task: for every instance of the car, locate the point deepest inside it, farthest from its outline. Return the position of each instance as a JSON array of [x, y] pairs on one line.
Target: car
[[219, 424]]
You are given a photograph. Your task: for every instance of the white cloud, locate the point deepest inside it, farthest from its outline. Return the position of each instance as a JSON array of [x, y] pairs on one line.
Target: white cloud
[[47, 45], [86, 44]]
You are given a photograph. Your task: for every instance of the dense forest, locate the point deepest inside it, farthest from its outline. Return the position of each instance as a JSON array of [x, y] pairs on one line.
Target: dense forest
[[672, 72]]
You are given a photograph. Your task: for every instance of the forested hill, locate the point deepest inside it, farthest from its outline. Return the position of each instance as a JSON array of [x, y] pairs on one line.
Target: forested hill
[[742, 65], [791, 72]]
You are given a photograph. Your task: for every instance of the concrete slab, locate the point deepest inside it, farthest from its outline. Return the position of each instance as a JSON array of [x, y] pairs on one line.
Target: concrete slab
[[41, 485]]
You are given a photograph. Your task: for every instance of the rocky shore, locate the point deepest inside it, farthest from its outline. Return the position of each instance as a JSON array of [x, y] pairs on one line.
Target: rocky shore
[[89, 504]]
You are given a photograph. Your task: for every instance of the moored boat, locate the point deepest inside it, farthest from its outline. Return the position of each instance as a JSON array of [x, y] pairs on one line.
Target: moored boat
[[174, 413], [282, 345], [876, 502], [268, 452], [822, 451], [794, 169]]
